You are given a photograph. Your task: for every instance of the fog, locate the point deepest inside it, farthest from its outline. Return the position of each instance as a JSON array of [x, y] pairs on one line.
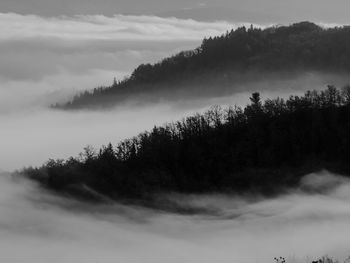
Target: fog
[[48, 60], [36, 226], [31, 133], [32, 136]]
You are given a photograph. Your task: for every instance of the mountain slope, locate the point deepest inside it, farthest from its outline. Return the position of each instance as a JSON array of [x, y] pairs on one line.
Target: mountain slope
[[221, 63], [262, 148]]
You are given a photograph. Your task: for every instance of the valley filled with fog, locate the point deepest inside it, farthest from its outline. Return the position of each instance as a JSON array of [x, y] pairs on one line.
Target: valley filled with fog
[[38, 133], [300, 226], [49, 65], [49, 60]]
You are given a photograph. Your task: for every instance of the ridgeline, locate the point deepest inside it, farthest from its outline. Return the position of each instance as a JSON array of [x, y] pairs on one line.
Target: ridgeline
[[262, 148], [238, 56]]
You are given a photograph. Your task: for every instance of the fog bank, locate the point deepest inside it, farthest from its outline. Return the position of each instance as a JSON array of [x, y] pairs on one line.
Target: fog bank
[[36, 226], [31, 133]]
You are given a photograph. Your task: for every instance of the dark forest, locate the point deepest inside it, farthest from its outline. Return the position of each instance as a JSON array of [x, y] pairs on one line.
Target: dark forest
[[239, 56], [263, 148]]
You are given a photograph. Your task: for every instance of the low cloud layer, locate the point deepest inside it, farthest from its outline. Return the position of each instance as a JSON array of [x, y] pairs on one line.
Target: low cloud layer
[[31, 134], [45, 60], [58, 54], [99, 27], [48, 59], [34, 47], [37, 226]]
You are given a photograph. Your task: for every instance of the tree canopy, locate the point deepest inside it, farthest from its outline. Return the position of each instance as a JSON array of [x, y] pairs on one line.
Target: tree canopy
[[263, 147], [219, 59]]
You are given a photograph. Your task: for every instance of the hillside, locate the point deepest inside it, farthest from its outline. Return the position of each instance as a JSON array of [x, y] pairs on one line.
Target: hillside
[[262, 148], [221, 63]]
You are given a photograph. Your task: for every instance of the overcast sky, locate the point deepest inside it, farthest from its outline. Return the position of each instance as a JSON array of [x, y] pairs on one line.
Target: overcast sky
[[277, 11]]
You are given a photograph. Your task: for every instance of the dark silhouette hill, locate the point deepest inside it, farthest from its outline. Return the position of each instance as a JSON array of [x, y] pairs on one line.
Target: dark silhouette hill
[[262, 148], [239, 56]]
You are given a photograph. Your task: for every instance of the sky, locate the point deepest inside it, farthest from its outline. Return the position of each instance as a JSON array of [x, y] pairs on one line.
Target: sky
[[276, 11]]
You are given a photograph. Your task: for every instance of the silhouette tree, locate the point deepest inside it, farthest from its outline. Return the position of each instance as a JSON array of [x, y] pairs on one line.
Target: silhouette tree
[[264, 147], [221, 60]]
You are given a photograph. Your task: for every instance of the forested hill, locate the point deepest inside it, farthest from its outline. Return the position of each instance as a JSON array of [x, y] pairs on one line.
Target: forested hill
[[261, 148], [224, 60]]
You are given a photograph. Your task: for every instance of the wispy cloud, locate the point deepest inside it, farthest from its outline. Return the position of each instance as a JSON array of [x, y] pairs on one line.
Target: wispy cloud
[[35, 51], [44, 54], [99, 27]]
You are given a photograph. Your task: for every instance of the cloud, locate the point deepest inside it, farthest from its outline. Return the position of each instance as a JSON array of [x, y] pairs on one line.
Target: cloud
[[37, 50], [33, 47], [299, 226], [57, 55], [47, 60], [99, 27]]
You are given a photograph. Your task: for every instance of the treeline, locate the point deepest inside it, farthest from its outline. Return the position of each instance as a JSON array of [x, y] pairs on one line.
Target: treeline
[[262, 147], [280, 48]]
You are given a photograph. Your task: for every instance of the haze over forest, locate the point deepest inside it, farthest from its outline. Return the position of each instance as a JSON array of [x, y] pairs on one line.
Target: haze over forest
[[221, 134], [239, 61]]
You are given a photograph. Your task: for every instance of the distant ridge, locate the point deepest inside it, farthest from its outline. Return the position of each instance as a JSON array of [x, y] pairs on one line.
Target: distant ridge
[[239, 55]]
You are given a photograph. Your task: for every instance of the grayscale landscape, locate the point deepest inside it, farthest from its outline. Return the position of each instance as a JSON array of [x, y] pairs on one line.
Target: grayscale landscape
[[174, 131]]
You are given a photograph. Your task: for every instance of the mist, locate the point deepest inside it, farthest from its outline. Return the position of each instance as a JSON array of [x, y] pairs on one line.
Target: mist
[[31, 132], [47, 60], [302, 225], [31, 137]]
